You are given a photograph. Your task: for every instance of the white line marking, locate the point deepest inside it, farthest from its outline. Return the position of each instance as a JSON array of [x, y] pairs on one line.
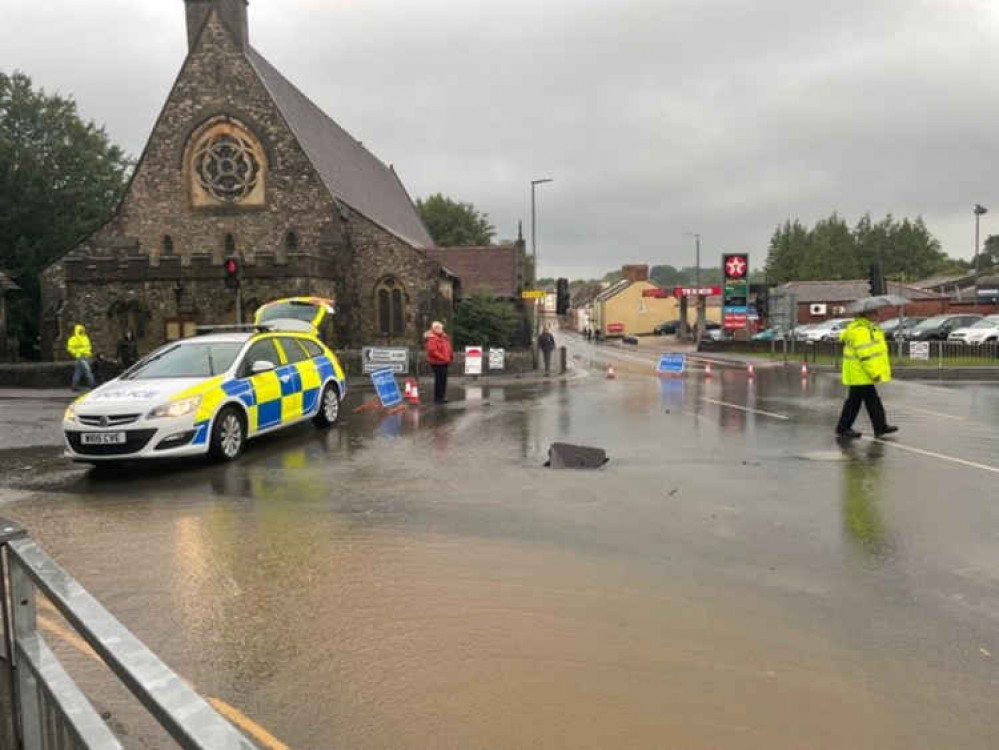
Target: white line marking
[[932, 413], [746, 408], [942, 456]]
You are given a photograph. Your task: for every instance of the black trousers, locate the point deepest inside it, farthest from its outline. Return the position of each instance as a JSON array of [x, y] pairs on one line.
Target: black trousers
[[867, 394], [547, 354], [440, 383]]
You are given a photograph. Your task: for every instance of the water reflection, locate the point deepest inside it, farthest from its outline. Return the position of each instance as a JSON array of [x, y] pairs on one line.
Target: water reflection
[[863, 522]]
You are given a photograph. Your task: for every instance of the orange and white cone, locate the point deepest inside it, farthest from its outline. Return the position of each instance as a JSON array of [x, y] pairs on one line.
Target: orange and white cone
[[752, 371], [411, 392], [610, 372], [804, 370], [707, 369]]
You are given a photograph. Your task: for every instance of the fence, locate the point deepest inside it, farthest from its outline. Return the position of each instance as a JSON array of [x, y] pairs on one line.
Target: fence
[[926, 354], [48, 710]]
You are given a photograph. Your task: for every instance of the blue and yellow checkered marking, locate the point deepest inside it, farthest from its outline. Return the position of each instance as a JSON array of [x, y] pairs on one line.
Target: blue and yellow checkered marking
[[283, 395]]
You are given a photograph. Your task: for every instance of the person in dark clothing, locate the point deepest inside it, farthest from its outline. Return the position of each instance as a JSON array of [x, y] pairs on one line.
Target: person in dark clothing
[[128, 350], [546, 343], [439, 357]]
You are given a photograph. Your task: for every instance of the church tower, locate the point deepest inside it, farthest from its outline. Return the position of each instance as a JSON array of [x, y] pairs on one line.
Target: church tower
[[232, 13]]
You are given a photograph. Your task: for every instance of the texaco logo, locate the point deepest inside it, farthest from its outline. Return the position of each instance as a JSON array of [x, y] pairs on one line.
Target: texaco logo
[[735, 268]]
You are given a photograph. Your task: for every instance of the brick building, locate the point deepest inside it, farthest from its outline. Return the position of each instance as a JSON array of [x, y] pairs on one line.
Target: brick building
[[8, 344], [496, 270], [241, 164]]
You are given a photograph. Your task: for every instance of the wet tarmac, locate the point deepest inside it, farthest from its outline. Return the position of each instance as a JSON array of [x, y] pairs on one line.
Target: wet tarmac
[[733, 578]]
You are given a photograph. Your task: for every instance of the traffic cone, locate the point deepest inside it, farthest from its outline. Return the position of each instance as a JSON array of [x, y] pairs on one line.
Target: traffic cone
[[610, 372], [752, 371], [707, 369], [804, 370], [412, 391]]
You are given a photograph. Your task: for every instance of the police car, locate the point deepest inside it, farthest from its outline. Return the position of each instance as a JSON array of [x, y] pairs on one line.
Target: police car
[[209, 394]]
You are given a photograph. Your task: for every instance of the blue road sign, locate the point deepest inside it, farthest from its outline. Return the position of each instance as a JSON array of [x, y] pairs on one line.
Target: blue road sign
[[387, 388], [671, 364]]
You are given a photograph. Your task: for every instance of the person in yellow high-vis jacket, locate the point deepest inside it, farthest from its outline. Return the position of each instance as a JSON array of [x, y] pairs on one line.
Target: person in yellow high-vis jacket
[[865, 364], [79, 349]]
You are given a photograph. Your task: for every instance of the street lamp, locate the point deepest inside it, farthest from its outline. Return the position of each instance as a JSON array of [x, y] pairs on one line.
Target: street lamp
[[534, 226], [697, 267], [979, 209]]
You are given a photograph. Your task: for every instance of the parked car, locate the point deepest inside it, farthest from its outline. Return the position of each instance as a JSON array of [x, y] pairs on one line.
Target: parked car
[[714, 332], [801, 332], [668, 328], [896, 327], [939, 327], [770, 334], [985, 330], [827, 330]]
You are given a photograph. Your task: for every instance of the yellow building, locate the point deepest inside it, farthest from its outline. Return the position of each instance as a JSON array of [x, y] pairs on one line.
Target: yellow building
[[621, 309]]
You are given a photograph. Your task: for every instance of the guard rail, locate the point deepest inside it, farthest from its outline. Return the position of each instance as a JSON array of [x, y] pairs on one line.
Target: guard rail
[[48, 709]]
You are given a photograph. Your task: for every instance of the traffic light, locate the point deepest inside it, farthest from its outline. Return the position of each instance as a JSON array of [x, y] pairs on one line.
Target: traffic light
[[231, 266], [875, 280], [561, 296]]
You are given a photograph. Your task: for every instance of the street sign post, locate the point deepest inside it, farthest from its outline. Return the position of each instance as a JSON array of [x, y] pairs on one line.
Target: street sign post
[[533, 294], [735, 300], [671, 364], [919, 350], [394, 358], [386, 387]]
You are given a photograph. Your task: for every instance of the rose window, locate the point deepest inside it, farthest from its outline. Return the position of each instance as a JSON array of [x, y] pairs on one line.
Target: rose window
[[227, 167]]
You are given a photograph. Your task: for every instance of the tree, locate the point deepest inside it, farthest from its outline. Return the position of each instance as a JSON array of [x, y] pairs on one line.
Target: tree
[[454, 224], [479, 319], [60, 177]]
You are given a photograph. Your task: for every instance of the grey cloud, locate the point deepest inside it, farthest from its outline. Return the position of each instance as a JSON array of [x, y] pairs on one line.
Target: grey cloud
[[654, 117]]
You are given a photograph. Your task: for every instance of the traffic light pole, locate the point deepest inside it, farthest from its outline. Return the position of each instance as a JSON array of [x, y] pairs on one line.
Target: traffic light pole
[[239, 305]]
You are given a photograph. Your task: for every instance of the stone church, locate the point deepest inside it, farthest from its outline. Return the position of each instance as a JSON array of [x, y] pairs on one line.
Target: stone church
[[242, 164]]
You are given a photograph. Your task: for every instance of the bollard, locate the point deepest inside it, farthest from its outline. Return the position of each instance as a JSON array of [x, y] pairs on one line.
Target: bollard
[[562, 364]]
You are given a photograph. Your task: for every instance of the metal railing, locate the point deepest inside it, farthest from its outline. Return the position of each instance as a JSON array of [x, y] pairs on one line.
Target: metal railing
[[930, 354], [48, 709]]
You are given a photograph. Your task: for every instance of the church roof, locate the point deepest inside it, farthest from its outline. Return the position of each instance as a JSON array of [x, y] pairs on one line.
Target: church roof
[[351, 172]]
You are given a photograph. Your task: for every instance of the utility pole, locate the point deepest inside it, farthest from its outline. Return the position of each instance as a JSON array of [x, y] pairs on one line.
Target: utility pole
[[701, 309]]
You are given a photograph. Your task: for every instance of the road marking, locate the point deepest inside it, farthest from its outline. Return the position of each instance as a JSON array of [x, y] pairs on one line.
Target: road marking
[[232, 713], [746, 409], [941, 456], [247, 724], [932, 413]]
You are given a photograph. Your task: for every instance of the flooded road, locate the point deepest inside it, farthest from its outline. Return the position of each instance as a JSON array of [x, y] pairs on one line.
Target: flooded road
[[733, 578]]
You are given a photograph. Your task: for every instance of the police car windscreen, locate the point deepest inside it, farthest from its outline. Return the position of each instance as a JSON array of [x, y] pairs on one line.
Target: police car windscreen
[[285, 310], [188, 361]]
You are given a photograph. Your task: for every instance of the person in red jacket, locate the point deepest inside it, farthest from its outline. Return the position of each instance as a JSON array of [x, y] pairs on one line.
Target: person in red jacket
[[439, 356]]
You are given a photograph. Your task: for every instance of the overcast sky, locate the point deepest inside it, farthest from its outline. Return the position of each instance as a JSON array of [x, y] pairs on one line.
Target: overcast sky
[[654, 117]]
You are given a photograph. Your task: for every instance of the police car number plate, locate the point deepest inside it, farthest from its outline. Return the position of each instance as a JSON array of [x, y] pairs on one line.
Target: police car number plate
[[103, 438]]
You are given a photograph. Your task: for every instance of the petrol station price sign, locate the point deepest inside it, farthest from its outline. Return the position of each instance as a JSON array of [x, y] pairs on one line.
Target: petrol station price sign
[[735, 294]]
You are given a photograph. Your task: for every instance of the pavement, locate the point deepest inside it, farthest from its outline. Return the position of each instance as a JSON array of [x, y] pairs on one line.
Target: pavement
[[734, 577]]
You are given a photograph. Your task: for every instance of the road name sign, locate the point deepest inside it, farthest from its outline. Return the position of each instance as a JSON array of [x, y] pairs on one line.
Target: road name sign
[[386, 387], [672, 364], [394, 358], [533, 294], [919, 350]]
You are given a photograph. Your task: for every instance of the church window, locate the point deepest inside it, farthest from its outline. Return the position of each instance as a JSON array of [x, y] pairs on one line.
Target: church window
[[291, 241], [391, 305], [167, 244], [226, 165]]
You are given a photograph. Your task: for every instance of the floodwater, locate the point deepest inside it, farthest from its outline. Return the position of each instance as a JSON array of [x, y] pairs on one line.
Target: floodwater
[[733, 578]]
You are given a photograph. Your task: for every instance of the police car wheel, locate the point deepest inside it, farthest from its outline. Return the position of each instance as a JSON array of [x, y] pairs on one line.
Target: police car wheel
[[228, 435], [329, 407]]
